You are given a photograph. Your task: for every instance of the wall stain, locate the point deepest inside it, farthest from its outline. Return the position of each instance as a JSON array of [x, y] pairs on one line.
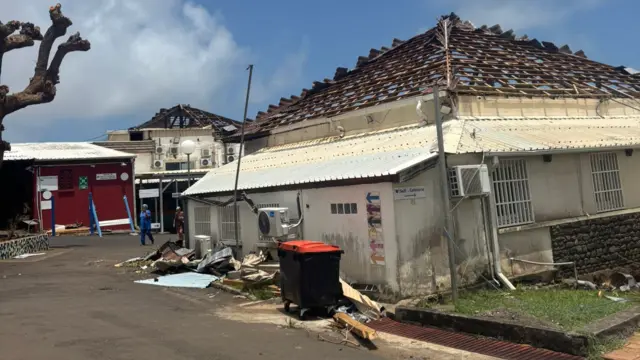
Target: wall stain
[[356, 263]]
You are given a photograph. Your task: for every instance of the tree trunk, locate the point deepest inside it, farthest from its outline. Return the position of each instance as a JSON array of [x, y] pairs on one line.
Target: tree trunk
[[42, 86]]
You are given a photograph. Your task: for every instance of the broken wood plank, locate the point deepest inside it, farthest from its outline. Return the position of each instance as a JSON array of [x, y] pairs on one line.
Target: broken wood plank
[[233, 282], [356, 327]]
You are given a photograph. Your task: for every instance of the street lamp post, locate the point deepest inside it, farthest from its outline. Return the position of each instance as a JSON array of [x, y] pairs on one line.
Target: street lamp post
[[188, 147]]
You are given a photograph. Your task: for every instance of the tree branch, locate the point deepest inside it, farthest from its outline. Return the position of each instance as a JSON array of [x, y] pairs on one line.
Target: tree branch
[[74, 43], [58, 28]]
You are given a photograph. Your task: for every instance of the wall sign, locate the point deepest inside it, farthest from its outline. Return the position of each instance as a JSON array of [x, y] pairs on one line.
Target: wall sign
[[409, 193], [106, 176], [83, 182], [48, 183], [148, 193], [374, 224]]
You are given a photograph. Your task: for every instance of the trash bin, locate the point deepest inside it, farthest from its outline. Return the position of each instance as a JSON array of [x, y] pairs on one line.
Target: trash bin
[[309, 274]]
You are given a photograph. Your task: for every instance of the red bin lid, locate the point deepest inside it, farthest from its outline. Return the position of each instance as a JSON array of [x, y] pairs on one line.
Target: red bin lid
[[305, 247]]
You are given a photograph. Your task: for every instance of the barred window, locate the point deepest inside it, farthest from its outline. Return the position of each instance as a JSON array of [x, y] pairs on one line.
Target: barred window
[[202, 220], [65, 179], [511, 190], [607, 188], [227, 224]]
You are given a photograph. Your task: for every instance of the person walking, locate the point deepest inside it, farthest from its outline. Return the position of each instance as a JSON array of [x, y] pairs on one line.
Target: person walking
[[145, 225], [178, 224]]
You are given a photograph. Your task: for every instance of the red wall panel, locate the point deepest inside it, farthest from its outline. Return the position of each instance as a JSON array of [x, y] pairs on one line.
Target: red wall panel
[[73, 205]]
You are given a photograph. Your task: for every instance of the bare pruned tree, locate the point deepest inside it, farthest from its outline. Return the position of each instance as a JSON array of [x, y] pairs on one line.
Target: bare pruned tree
[[42, 86]]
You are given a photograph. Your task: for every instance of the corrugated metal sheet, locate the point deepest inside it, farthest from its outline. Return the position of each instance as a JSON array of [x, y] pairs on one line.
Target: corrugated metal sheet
[[510, 135], [368, 155], [62, 151], [170, 173]]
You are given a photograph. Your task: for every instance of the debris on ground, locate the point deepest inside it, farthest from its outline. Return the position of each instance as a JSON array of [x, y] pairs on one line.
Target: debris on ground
[[183, 280], [356, 327], [24, 256]]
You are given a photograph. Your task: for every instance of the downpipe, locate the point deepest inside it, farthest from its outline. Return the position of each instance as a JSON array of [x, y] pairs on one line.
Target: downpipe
[[497, 269]]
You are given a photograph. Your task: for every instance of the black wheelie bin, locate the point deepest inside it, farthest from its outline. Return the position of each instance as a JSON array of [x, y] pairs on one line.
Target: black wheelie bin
[[309, 275]]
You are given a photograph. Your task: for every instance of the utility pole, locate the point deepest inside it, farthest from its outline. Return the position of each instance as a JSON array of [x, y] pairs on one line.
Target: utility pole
[[235, 188], [444, 188]]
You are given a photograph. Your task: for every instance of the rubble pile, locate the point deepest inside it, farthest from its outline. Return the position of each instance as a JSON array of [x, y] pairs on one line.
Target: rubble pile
[[607, 281], [170, 259]]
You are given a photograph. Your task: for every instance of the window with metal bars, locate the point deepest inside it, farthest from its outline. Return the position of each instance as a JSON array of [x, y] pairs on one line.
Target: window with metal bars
[[202, 220], [227, 224], [607, 188], [511, 191], [65, 179]]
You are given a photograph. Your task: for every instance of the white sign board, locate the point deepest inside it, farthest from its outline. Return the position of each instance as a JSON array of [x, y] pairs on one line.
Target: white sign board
[[409, 193], [149, 193], [107, 176], [155, 226], [48, 183], [45, 205], [175, 195]]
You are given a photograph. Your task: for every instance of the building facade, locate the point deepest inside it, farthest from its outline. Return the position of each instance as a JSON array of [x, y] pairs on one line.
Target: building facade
[[64, 174], [356, 156], [161, 162]]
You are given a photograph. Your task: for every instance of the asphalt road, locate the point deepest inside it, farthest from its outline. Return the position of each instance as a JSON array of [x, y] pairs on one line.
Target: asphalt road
[[76, 305]]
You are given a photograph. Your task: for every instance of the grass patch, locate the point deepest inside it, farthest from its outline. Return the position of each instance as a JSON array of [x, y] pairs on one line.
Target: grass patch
[[569, 310]]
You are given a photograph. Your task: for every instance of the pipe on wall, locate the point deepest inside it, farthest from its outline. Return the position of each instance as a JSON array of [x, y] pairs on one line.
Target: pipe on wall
[[493, 214]]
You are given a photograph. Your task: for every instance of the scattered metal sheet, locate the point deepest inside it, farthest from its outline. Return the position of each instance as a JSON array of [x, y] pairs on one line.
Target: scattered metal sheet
[[184, 280], [24, 256]]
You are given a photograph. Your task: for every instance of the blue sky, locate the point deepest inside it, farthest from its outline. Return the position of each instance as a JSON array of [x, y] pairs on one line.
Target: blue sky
[[149, 54]]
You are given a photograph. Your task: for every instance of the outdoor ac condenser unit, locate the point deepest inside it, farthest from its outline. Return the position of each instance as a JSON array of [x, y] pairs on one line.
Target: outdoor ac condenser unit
[[159, 150], [469, 180], [230, 158], [205, 153], [273, 222], [205, 162], [158, 164]]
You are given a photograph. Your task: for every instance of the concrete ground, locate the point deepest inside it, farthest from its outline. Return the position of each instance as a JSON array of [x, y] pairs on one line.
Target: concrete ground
[[74, 304]]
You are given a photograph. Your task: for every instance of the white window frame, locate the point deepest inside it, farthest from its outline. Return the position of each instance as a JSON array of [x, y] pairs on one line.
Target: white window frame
[[227, 224], [512, 193], [202, 220], [605, 178]]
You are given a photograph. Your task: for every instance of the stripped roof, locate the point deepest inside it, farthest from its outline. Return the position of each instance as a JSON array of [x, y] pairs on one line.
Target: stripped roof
[[63, 151], [462, 58], [371, 155], [185, 116], [388, 152]]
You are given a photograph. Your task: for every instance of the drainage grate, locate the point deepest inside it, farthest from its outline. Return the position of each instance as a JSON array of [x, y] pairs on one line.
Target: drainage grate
[[461, 341]]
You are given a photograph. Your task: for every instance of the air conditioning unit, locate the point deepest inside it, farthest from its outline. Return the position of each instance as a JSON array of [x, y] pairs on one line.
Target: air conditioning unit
[[469, 180], [273, 222], [230, 158], [205, 153], [205, 162], [230, 150], [159, 150], [158, 164], [176, 141], [174, 150]]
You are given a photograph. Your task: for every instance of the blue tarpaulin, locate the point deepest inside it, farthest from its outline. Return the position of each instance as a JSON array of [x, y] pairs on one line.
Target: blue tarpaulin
[[184, 280]]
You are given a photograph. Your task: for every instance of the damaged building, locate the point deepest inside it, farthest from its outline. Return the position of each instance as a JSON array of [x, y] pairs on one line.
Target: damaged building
[[539, 143]]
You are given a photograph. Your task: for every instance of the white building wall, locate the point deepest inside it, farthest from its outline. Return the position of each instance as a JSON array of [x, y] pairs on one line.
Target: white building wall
[[560, 190], [351, 231]]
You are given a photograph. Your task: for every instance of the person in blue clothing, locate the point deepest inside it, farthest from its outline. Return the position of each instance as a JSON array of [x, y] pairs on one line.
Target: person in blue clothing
[[145, 224]]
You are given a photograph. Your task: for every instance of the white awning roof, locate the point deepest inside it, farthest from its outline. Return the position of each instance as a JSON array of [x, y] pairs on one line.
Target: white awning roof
[[369, 155], [52, 151]]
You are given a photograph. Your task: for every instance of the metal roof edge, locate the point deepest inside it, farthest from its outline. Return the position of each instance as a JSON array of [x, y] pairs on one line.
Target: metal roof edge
[[558, 151]]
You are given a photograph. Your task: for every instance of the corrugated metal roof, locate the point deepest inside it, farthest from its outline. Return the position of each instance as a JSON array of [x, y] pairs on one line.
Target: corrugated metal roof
[[62, 151], [368, 155], [169, 173], [543, 134]]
